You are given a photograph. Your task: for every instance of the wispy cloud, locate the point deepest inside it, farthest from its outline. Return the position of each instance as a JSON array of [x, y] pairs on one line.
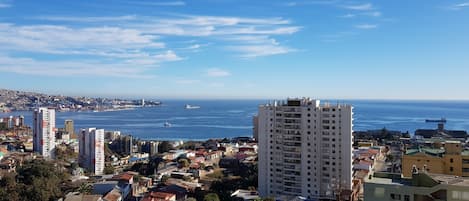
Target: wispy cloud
[[460, 6], [373, 14], [360, 7], [251, 51], [87, 18], [159, 3], [366, 26], [74, 68], [348, 16], [309, 2], [5, 5], [130, 45], [217, 72]]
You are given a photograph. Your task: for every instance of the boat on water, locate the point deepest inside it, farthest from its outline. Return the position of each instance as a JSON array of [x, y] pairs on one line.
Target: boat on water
[[191, 106], [442, 120], [167, 124]]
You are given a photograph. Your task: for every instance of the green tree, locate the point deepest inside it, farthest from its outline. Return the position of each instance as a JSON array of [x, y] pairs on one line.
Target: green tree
[[40, 180], [109, 169], [183, 162], [85, 188], [9, 188], [164, 178], [211, 197], [164, 146]]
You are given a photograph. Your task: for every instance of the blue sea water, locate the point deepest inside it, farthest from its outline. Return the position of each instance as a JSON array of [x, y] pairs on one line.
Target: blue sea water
[[231, 118]]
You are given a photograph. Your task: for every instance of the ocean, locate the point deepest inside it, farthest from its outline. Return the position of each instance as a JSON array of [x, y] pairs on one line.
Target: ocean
[[232, 118]]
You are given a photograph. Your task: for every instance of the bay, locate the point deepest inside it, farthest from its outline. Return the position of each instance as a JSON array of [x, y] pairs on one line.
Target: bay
[[232, 118]]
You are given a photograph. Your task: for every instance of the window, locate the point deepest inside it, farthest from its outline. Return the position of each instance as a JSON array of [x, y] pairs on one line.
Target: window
[[451, 169], [406, 197], [451, 160], [395, 196]]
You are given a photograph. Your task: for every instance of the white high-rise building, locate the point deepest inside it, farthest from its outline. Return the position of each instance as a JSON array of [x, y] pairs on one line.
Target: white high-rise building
[[305, 149], [44, 132], [91, 150]]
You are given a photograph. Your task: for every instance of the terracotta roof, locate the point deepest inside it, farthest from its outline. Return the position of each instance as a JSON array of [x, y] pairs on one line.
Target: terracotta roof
[[113, 195], [124, 176], [158, 196]]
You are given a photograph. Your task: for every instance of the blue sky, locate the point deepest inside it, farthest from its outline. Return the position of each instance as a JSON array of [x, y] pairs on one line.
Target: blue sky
[[396, 49]]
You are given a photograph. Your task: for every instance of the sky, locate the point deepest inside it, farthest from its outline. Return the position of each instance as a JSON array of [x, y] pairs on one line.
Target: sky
[[237, 49]]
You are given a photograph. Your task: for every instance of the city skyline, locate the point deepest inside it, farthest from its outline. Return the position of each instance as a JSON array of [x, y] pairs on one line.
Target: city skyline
[[329, 49]]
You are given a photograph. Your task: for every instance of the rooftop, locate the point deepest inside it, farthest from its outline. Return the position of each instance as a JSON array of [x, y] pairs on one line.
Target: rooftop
[[419, 179]]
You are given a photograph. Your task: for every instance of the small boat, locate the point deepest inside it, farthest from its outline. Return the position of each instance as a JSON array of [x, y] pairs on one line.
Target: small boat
[[167, 124], [191, 107]]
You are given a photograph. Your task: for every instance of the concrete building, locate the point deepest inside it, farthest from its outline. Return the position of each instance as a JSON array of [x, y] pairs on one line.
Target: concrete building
[[44, 132], [69, 128], [305, 149], [420, 187], [448, 157], [91, 150]]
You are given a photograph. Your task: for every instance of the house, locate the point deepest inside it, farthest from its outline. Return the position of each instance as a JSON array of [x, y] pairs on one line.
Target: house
[[180, 192], [159, 196], [76, 196], [113, 195], [245, 195]]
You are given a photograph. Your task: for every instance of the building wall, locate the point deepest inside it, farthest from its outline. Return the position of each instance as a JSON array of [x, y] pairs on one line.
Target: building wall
[[434, 164], [304, 148], [69, 128], [384, 192], [44, 132], [91, 150], [450, 164]]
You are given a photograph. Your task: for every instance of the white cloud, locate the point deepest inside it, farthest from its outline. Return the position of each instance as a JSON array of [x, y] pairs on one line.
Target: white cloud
[[460, 6], [360, 7], [250, 51], [67, 68], [348, 16], [373, 14], [88, 19], [159, 3], [216, 72], [4, 5], [167, 56], [62, 39], [129, 45], [366, 26]]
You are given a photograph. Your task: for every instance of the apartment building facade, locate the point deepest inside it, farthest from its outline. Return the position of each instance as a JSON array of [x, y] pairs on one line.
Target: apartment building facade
[[305, 149], [44, 132]]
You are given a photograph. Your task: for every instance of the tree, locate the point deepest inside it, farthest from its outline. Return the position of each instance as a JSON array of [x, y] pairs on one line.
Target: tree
[[85, 188], [183, 162], [164, 178], [211, 197], [164, 146], [40, 180], [109, 170]]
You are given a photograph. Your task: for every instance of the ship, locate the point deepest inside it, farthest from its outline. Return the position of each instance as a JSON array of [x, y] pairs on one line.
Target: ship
[[167, 124], [191, 106], [442, 120]]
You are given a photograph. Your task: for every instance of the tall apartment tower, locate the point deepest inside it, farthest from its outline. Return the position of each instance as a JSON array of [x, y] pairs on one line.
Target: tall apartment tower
[[44, 132], [305, 149], [69, 128], [91, 150]]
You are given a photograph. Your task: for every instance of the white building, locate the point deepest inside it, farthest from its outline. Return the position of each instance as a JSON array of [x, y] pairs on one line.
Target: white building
[[91, 150], [305, 149], [44, 132]]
